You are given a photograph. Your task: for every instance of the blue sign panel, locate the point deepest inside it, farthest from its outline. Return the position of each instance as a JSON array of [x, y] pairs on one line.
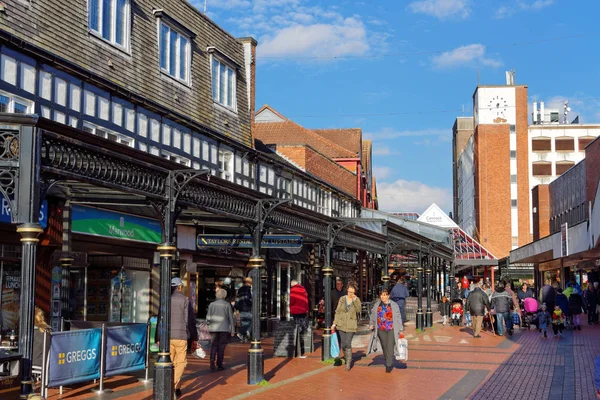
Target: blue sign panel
[[125, 348], [245, 241], [6, 214], [74, 357]]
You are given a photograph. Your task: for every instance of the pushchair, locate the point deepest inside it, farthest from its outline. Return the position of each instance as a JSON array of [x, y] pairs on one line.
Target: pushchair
[[456, 312], [528, 312]]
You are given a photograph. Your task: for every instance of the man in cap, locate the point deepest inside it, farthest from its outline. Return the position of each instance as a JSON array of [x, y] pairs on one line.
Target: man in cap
[[183, 327]]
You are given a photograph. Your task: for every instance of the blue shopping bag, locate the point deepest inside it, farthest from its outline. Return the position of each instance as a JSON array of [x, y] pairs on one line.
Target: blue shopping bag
[[516, 319], [334, 351]]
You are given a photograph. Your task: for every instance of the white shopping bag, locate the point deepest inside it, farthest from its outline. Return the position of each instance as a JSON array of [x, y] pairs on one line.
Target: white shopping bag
[[200, 353], [402, 347]]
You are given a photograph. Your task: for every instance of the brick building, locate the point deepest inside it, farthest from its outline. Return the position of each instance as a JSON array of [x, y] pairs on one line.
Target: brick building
[[499, 157]]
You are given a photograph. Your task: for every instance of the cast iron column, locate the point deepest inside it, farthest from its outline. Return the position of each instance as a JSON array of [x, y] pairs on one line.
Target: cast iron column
[[386, 278], [255, 353], [316, 268], [428, 312], [420, 319], [29, 241], [327, 274], [163, 368]]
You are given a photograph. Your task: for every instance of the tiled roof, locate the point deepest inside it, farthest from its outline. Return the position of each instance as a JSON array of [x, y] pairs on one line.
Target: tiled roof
[[289, 132], [349, 138], [366, 155], [374, 193]]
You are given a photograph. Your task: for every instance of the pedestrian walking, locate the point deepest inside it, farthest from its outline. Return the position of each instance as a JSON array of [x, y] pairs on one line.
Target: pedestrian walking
[[299, 312], [346, 321], [576, 308], [502, 303], [445, 308], [336, 293], [183, 328], [558, 321], [221, 326], [590, 298], [548, 294], [477, 303], [543, 317], [386, 324], [243, 305], [525, 292], [399, 294]]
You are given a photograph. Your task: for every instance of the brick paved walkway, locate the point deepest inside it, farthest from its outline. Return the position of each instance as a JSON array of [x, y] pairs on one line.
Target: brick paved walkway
[[444, 363]]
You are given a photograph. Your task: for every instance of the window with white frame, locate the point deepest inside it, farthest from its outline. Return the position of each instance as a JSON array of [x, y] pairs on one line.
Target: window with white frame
[[174, 52], [108, 134], [223, 83], [175, 158], [226, 165], [12, 104], [284, 188], [110, 20]]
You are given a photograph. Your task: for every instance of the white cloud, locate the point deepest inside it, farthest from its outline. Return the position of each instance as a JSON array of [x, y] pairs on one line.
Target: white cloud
[[383, 150], [518, 6], [442, 9], [584, 106], [317, 40], [411, 196], [226, 4], [471, 55], [382, 173]]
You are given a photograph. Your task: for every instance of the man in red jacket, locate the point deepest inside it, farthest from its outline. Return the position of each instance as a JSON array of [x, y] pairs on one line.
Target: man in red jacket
[[299, 311]]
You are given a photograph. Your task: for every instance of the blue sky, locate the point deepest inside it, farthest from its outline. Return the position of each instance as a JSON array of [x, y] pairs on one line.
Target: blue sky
[[403, 70]]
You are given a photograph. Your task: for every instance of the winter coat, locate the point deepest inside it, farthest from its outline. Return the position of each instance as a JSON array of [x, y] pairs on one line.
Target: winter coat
[[399, 294], [524, 294], [374, 344], [515, 302], [346, 318], [298, 300], [335, 298], [558, 317], [543, 317], [183, 321], [445, 309], [548, 294], [563, 302], [244, 299], [501, 301], [575, 303], [477, 302], [220, 317], [590, 297]]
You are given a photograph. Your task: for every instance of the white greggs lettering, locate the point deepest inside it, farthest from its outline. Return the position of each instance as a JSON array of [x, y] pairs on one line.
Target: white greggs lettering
[[130, 348], [81, 355]]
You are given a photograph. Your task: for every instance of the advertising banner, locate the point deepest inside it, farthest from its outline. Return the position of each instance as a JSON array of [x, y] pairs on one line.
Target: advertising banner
[[6, 213], [11, 295], [125, 349], [94, 221], [74, 357]]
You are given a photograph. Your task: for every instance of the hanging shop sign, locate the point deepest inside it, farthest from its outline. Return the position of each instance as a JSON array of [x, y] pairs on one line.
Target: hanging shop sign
[[94, 221], [245, 241], [6, 213]]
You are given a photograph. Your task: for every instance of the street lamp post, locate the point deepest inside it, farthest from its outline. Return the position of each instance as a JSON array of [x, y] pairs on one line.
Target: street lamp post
[[255, 353], [420, 294], [428, 312]]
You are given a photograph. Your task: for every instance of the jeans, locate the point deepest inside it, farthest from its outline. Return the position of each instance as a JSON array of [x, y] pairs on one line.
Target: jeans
[[245, 323], [507, 320], [576, 320], [301, 321], [468, 319]]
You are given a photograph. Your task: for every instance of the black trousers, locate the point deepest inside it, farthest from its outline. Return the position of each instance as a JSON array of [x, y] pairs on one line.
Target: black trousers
[[388, 342], [217, 348], [301, 321]]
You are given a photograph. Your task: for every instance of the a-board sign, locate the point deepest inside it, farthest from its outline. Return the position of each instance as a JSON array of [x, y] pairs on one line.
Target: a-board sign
[[284, 344], [285, 340]]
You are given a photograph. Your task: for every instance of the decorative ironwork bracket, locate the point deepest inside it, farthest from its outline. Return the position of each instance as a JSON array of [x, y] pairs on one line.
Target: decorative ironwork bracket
[[264, 207], [333, 230], [176, 182]]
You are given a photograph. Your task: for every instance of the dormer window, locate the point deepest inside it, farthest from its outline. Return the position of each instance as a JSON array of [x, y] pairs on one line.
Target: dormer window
[[174, 49], [223, 83], [109, 19]]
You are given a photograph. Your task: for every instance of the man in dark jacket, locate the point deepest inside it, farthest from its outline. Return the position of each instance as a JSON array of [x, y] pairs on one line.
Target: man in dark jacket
[[299, 311], [548, 295], [183, 327], [244, 306], [398, 295], [590, 297], [477, 303], [336, 294], [502, 302]]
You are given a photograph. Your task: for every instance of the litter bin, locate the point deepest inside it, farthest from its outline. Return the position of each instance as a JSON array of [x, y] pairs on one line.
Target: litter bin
[[10, 375]]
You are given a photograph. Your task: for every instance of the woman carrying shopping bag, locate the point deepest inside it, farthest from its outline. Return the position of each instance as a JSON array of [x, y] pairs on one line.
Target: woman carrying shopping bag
[[386, 324], [346, 321]]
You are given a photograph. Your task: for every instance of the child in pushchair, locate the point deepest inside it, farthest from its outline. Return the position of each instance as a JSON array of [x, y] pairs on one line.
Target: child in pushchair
[[457, 312], [529, 312]]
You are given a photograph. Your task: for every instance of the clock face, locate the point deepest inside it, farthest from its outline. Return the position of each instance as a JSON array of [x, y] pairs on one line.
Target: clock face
[[498, 106]]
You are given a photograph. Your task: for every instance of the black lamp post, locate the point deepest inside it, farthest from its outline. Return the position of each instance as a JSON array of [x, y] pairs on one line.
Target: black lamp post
[[428, 312], [420, 319], [327, 273], [255, 353]]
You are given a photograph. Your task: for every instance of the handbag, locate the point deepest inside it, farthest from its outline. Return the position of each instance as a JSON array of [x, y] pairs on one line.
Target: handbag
[[516, 319], [334, 349]]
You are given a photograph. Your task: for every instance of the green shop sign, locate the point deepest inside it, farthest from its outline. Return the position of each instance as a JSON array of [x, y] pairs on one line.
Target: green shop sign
[[94, 221]]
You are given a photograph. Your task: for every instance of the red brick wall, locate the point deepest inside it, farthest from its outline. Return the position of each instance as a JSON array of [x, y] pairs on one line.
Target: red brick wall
[[540, 197], [523, 191], [492, 188], [297, 154], [592, 169]]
